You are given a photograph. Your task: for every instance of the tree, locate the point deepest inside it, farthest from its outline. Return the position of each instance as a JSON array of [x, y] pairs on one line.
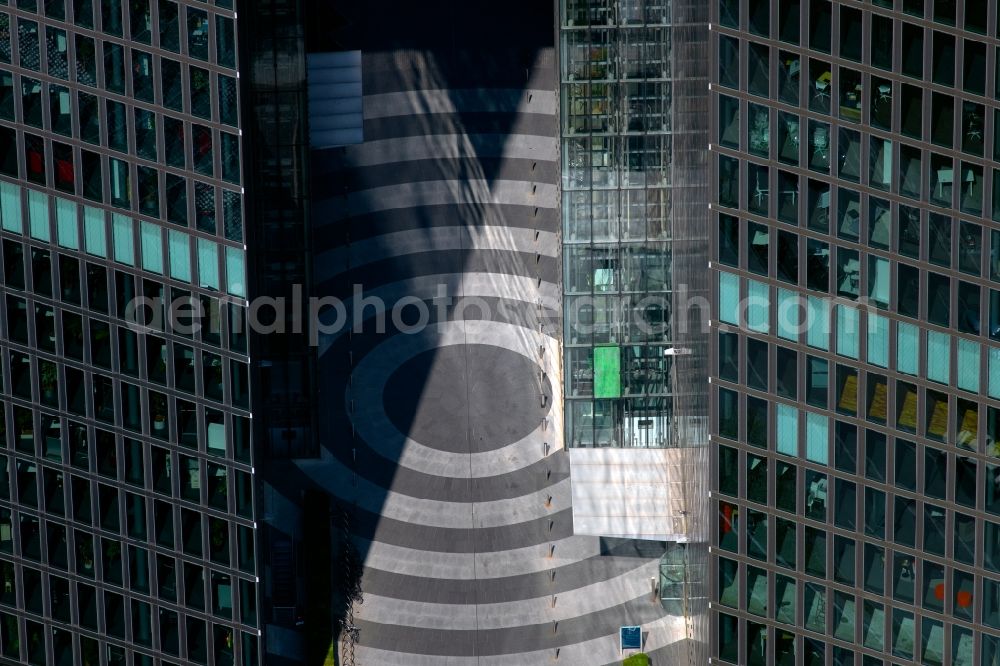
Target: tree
[[640, 659]]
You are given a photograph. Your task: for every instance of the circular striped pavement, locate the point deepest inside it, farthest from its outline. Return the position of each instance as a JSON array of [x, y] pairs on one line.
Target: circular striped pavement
[[445, 440]]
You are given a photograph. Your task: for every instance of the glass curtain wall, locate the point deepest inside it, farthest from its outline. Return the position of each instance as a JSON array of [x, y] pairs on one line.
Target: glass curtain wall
[[616, 93], [857, 385]]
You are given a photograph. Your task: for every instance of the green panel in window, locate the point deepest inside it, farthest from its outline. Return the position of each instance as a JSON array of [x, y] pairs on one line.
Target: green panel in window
[[938, 357], [123, 239], [847, 331], [907, 348], [38, 214], [151, 240], [878, 340], [969, 355], [208, 264], [180, 256], [236, 273], [69, 234], [94, 232], [729, 298], [10, 207], [607, 372]]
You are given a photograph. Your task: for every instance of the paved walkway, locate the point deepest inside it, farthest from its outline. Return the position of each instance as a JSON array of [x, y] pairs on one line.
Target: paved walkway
[[447, 442]]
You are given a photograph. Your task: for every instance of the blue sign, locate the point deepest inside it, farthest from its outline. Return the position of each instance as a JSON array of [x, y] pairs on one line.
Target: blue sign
[[631, 638]]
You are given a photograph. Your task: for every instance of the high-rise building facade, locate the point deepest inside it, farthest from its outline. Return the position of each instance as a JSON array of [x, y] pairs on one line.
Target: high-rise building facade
[[126, 474], [856, 332]]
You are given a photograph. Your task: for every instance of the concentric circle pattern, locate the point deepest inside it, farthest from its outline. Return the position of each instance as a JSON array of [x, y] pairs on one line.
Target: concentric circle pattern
[[446, 439], [438, 410]]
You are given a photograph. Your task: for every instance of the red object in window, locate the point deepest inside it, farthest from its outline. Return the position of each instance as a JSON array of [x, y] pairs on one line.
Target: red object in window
[[35, 163], [963, 599], [727, 518], [939, 591], [64, 171]]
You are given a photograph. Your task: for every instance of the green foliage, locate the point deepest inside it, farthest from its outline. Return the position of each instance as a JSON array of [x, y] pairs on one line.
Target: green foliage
[[639, 659]]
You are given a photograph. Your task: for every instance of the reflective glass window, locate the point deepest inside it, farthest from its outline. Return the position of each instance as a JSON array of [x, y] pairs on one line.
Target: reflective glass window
[[197, 33]]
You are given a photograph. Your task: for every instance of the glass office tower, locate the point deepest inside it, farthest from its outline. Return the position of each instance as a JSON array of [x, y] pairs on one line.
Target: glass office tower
[[856, 363], [126, 507]]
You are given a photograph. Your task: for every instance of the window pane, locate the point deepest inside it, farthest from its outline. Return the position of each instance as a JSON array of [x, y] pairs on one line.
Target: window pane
[[851, 33], [938, 357], [180, 256], [94, 231], [228, 112], [142, 76], [111, 17], [907, 348], [117, 126], [232, 215], [38, 215], [225, 40], [729, 62], [28, 48], [943, 63], [201, 99], [114, 67], [123, 241], [148, 184], [788, 21], [208, 264], [90, 124], [197, 34], [972, 128], [169, 30], [170, 80], [787, 429], [34, 152], [230, 157], [57, 49], [31, 101], [93, 181], [140, 19], [5, 51], [152, 250], [121, 194], [847, 331], [819, 25], [758, 79], [913, 54], [10, 207], [785, 548], [235, 272], [202, 152], [974, 73], [789, 67], [909, 171], [785, 599], [934, 529], [969, 365], [878, 340]]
